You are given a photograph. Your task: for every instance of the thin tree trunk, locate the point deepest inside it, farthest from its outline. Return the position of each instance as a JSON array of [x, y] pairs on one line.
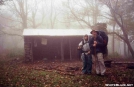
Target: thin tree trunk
[[127, 42], [130, 48], [113, 38], [125, 49], [51, 14]]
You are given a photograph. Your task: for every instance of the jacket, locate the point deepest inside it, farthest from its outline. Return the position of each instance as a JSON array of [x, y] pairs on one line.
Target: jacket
[[99, 46]]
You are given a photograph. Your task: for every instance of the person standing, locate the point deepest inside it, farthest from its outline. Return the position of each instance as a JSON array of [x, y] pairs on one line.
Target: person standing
[[85, 55], [96, 45]]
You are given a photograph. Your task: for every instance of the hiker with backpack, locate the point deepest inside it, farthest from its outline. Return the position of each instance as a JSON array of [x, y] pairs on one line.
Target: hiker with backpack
[[101, 28], [96, 46], [85, 55]]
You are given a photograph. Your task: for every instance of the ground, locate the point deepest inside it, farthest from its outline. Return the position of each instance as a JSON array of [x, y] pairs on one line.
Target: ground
[[59, 74]]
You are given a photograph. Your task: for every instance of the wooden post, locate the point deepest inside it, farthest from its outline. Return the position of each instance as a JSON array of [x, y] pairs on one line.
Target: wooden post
[[62, 50], [32, 53], [70, 50]]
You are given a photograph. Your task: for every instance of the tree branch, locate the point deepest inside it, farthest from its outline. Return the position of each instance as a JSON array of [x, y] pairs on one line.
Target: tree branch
[[5, 33], [117, 35]]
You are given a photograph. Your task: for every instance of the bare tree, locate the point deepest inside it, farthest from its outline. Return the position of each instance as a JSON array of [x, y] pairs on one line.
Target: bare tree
[[53, 15], [112, 23], [34, 10], [84, 12], [27, 15], [3, 1], [120, 17], [20, 9]]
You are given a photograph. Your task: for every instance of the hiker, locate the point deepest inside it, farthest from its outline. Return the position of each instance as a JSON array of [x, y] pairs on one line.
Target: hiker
[[96, 45], [101, 28], [85, 55], [105, 42]]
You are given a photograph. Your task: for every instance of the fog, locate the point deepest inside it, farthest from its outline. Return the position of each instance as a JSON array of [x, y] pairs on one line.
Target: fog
[[17, 15]]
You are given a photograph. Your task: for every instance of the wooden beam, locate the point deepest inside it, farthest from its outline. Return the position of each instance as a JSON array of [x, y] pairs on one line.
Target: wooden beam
[[70, 50], [32, 52], [62, 49]]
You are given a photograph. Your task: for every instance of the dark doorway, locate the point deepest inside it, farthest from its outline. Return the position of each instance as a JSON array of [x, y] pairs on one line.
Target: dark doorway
[[66, 49]]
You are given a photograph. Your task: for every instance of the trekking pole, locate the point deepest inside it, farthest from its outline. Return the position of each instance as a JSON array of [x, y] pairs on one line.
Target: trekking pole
[[96, 58]]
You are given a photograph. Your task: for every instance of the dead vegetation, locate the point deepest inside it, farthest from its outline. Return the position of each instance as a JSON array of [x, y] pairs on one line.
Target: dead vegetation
[[60, 74]]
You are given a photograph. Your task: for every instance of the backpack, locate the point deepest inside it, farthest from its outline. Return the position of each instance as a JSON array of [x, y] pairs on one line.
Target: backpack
[[105, 41], [101, 28], [104, 37]]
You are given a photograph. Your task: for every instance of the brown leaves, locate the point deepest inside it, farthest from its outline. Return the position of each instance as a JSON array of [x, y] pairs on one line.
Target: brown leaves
[[40, 74]]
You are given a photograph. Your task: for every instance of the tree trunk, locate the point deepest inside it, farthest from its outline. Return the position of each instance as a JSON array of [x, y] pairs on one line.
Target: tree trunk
[[125, 49], [33, 20], [24, 22], [125, 38], [113, 38], [118, 18], [127, 41], [51, 14], [130, 48]]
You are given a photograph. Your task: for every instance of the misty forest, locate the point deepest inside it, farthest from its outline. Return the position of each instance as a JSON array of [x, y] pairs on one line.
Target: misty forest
[[66, 43]]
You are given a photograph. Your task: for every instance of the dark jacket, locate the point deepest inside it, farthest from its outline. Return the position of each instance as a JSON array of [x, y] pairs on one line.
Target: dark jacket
[[99, 46]]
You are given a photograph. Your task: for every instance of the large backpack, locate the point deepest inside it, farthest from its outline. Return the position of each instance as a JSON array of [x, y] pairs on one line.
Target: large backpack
[[105, 41], [101, 28], [104, 37]]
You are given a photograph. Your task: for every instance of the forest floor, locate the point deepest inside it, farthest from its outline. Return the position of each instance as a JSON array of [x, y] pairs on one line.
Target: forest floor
[[60, 74]]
